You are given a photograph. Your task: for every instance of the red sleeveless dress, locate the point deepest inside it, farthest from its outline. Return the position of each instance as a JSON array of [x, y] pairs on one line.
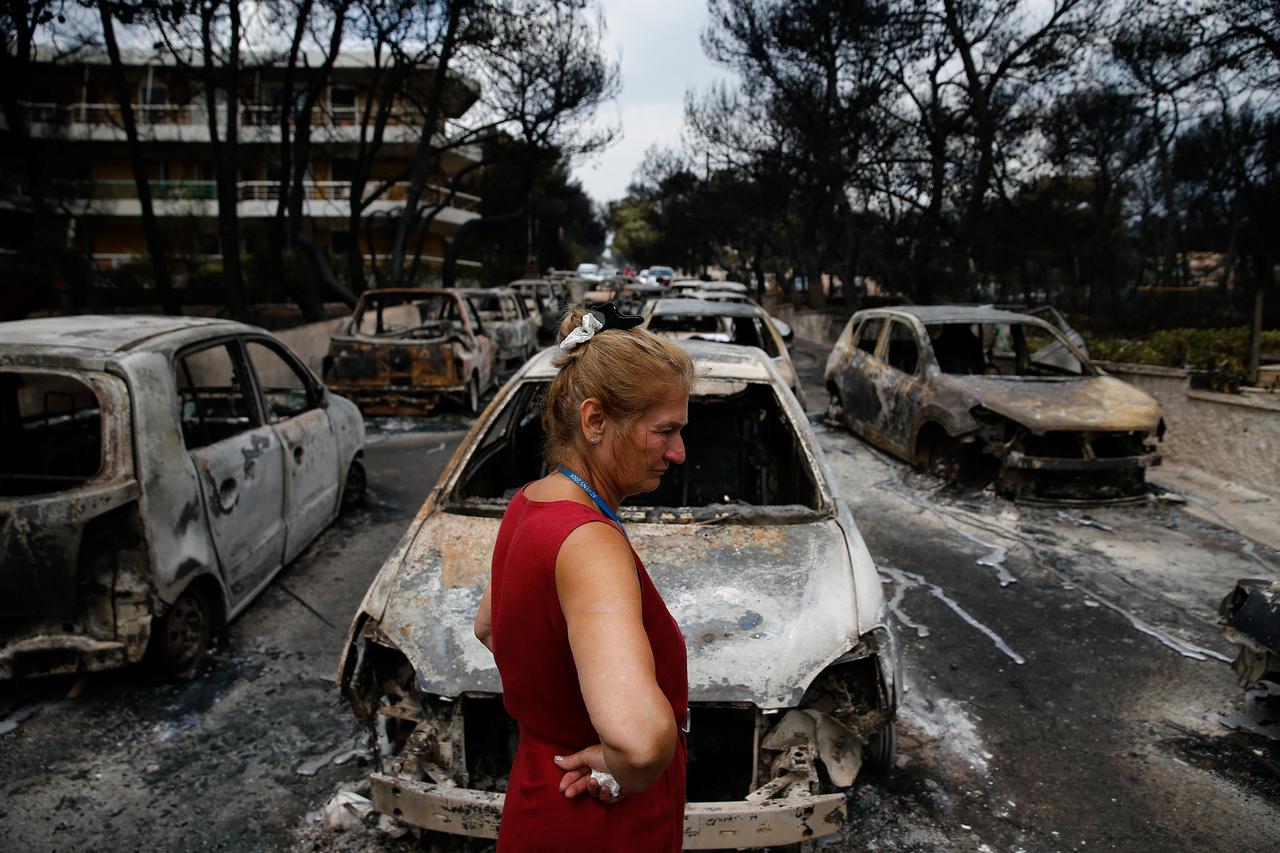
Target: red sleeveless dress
[[541, 693]]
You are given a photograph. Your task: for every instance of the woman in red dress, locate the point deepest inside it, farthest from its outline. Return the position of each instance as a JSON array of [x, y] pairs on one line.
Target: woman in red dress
[[592, 663]]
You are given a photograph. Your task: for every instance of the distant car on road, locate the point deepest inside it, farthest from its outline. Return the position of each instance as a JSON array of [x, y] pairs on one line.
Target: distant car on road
[[662, 275], [958, 389], [155, 475], [724, 322], [794, 678], [405, 349], [591, 272]]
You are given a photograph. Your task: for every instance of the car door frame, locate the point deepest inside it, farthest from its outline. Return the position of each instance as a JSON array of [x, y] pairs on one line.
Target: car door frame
[[260, 459], [304, 437], [857, 383]]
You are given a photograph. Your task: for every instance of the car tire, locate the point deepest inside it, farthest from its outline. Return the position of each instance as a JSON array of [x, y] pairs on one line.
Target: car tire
[[882, 749], [941, 457], [182, 635], [354, 489]]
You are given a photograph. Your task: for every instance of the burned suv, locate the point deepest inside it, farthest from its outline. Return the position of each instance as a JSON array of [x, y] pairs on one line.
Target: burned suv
[[155, 474], [793, 669], [967, 390]]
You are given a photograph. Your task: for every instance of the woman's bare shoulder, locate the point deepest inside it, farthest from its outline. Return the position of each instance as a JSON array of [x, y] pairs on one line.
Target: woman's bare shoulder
[[595, 559]]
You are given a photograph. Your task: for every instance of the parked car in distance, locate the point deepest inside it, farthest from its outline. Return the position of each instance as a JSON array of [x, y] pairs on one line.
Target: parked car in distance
[[155, 475], [724, 322], [504, 317], [961, 389], [406, 349], [543, 299], [662, 275], [793, 667], [591, 272]]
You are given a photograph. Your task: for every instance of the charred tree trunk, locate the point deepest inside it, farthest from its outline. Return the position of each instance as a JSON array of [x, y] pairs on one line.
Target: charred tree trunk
[[157, 251], [226, 150]]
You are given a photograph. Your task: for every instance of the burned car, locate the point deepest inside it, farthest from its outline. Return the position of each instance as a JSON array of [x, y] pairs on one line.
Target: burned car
[[1250, 618], [155, 474], [406, 349], [725, 322], [964, 390], [543, 300], [507, 321], [793, 668]]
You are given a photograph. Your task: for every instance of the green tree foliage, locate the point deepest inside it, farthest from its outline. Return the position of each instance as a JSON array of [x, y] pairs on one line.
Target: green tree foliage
[[1101, 153], [552, 224]]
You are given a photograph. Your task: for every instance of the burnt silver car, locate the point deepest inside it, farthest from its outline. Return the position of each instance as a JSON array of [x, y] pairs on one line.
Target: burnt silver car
[[543, 300], [406, 349], [793, 668], [155, 474], [505, 318], [969, 389], [742, 324]]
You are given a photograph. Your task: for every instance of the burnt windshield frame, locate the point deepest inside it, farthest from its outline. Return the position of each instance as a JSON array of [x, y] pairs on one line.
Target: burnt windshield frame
[[508, 454]]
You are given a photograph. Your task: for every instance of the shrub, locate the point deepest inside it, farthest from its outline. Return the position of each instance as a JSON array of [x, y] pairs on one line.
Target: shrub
[[1222, 353]]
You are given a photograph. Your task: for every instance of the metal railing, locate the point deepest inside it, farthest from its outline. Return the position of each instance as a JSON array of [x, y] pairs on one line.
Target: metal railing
[[249, 115], [161, 190]]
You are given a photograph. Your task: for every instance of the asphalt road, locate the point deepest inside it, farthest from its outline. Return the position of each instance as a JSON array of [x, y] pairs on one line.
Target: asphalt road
[[1066, 686]]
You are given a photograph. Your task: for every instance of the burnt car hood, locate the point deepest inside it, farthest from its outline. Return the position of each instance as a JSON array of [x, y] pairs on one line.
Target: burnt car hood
[[1088, 403], [763, 608]]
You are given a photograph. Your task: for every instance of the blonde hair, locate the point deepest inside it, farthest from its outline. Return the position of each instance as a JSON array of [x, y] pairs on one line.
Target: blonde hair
[[627, 370]]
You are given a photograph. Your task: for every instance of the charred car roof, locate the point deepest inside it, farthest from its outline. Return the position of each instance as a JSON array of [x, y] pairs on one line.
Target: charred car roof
[[930, 314], [715, 361], [677, 307], [107, 334]]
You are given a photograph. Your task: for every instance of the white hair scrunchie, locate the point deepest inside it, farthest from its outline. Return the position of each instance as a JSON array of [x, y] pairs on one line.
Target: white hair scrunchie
[[590, 325]]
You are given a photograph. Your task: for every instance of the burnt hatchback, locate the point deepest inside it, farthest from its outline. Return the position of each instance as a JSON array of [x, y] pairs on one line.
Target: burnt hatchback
[[155, 474], [970, 390], [793, 669], [405, 349]]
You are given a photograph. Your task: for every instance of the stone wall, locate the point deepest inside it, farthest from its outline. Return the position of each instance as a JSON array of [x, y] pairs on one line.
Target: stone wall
[[1236, 437]]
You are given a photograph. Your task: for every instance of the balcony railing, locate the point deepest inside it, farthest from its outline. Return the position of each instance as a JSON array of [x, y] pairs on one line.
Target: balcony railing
[[249, 115], [266, 191]]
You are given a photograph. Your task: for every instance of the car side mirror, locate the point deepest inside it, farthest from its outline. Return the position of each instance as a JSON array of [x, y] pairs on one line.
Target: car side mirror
[[784, 329]]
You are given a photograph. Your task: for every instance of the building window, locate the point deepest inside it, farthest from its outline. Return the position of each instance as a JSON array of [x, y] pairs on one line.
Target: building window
[[342, 101]]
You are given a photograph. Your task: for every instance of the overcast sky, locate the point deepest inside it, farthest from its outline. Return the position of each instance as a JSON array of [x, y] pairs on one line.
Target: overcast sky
[[661, 57]]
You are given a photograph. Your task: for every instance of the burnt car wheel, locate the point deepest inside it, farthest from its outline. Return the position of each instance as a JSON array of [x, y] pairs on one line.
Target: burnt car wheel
[[353, 491], [882, 749], [183, 634]]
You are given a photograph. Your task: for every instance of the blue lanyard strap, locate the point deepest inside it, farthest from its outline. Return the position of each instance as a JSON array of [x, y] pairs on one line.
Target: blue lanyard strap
[[586, 487]]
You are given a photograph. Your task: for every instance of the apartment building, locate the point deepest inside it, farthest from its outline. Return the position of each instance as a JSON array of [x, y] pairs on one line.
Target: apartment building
[[73, 102]]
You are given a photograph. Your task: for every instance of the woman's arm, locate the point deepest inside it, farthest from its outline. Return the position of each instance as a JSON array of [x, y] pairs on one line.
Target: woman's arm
[[600, 596], [484, 618]]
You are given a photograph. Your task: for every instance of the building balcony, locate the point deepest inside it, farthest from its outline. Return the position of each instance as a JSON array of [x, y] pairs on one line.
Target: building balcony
[[258, 123], [254, 200], [115, 260]]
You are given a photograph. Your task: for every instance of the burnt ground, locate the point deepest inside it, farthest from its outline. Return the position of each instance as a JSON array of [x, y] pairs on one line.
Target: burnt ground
[[1066, 687]]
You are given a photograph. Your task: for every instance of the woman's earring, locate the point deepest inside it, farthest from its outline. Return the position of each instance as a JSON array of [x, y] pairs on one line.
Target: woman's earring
[[595, 439]]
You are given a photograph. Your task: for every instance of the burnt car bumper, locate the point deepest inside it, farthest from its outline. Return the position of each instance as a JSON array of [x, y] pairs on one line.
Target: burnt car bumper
[[45, 655], [398, 400], [1250, 618], [1020, 460], [707, 826]]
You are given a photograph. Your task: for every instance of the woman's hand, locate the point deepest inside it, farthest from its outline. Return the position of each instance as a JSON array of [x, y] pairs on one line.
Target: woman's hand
[[577, 777]]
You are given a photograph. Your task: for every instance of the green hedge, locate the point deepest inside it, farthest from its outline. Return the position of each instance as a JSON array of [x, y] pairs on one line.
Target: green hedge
[[1223, 353]]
